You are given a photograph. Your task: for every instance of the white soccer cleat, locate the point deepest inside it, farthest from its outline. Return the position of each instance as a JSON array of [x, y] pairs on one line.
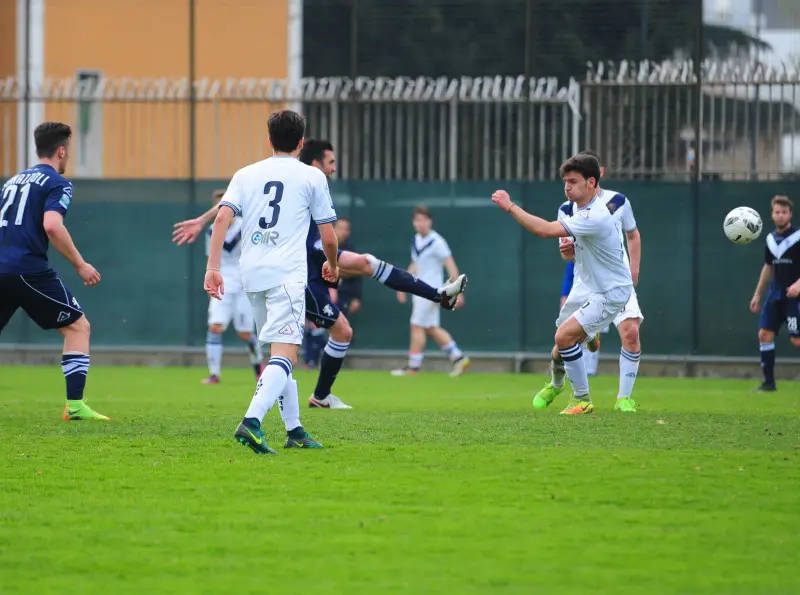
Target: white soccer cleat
[[460, 367], [329, 402], [451, 290]]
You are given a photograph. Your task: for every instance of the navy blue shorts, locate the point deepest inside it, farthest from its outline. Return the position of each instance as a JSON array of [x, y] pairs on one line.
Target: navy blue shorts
[[319, 308], [43, 297], [775, 312]]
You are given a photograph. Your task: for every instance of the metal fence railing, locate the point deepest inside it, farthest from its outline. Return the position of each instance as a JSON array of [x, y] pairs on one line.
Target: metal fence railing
[[644, 118], [737, 120]]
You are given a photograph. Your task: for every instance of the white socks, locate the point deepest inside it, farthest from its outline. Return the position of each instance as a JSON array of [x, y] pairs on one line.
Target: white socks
[[214, 353], [289, 403], [576, 370], [628, 370], [271, 385]]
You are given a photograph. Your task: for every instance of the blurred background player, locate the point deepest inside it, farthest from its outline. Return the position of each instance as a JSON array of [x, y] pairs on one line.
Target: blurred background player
[[32, 210], [276, 215], [591, 349], [781, 272], [430, 256], [628, 322], [234, 305]]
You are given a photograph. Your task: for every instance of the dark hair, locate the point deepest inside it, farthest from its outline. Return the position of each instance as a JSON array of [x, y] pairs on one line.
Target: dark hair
[[594, 154], [345, 219], [49, 136], [585, 165], [314, 150], [422, 210], [782, 201], [286, 130], [218, 194]]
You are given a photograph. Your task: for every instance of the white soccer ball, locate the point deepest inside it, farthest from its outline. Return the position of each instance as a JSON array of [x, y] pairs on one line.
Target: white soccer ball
[[742, 225]]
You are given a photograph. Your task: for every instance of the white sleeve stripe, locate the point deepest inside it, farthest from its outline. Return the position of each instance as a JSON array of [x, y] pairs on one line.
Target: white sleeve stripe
[[569, 231], [232, 206], [327, 220]]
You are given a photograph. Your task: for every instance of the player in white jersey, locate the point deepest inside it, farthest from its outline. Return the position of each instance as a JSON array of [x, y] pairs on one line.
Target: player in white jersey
[[277, 199], [630, 319], [233, 307], [430, 256], [599, 262]]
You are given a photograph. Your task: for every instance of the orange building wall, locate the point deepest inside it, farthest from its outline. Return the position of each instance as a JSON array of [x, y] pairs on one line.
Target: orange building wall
[[8, 67], [150, 39]]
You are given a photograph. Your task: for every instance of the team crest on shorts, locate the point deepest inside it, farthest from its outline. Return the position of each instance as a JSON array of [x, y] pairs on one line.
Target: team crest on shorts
[[286, 330]]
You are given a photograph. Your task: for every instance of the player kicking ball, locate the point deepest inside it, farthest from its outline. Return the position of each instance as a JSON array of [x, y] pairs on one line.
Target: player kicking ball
[[277, 199], [599, 262], [32, 210]]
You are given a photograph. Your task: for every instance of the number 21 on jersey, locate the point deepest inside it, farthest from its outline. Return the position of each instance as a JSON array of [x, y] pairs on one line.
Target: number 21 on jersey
[[274, 189], [9, 196]]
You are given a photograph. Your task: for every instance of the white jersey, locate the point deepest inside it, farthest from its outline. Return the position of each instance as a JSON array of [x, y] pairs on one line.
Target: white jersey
[[231, 252], [428, 254], [600, 262], [620, 208], [277, 198]]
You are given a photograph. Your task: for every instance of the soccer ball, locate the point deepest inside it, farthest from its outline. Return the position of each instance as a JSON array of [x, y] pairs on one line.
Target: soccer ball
[[742, 225]]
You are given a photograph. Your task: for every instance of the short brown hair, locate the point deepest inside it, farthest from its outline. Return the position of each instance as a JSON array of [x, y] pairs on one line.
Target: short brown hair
[[218, 194], [583, 164], [782, 201], [422, 210], [286, 130]]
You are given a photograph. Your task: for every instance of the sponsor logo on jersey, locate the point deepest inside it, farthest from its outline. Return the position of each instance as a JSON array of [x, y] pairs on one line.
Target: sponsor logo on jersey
[[265, 238]]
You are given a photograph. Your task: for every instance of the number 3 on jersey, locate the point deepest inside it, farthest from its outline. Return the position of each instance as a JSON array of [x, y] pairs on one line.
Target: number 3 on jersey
[[9, 196], [275, 204]]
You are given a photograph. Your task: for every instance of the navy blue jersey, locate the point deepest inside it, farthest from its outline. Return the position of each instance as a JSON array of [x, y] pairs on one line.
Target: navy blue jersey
[[24, 200], [314, 255], [783, 254]]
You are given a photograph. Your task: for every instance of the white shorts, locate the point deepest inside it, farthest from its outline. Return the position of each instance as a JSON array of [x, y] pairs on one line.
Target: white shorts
[[232, 307], [279, 313], [595, 311], [425, 313]]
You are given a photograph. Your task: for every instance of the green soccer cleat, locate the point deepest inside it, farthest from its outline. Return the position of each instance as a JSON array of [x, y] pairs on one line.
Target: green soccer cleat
[[79, 411], [304, 441], [545, 396], [253, 438], [627, 405]]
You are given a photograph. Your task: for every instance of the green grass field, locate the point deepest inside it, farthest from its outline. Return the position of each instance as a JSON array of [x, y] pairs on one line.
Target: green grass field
[[429, 485]]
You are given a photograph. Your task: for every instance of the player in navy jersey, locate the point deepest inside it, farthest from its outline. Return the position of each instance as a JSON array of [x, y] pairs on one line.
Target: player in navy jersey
[[320, 308], [781, 273], [33, 205]]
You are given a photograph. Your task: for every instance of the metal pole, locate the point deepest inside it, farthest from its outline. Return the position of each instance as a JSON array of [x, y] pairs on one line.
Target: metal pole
[[526, 156], [193, 285], [27, 107], [354, 6], [696, 177], [754, 105], [645, 25]]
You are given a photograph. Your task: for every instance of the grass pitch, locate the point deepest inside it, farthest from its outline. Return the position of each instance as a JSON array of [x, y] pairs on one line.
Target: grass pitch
[[429, 485]]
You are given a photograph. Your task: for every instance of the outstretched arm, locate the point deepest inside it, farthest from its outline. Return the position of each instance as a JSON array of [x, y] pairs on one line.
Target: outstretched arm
[[186, 232], [535, 225]]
